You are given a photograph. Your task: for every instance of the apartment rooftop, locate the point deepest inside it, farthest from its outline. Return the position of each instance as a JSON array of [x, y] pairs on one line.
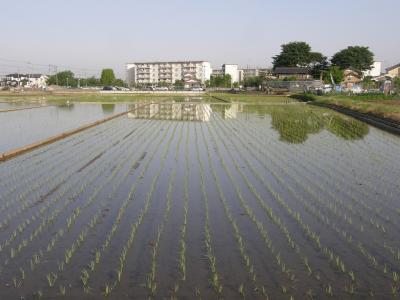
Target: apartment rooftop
[[169, 62]]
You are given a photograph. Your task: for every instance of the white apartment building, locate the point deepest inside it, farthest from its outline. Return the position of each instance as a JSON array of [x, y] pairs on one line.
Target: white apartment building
[[145, 73], [375, 71], [232, 70]]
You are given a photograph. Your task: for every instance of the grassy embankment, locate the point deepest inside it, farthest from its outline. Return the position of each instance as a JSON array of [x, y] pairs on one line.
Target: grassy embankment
[[61, 98], [378, 105], [255, 98]]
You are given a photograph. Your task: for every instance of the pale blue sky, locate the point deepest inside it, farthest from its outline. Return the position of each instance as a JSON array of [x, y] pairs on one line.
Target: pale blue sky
[[94, 34]]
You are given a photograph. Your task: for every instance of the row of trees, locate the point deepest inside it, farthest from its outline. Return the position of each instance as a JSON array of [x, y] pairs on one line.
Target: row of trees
[[300, 54], [67, 78]]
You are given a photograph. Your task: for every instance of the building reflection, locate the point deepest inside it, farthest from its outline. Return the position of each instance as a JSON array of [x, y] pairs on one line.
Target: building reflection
[[171, 111]]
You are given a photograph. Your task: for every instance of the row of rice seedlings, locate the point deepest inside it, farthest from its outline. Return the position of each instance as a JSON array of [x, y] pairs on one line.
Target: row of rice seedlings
[[151, 277], [363, 152], [35, 261], [346, 216], [69, 252], [109, 287], [30, 180], [98, 254], [51, 153], [284, 268], [340, 264], [212, 261], [293, 245], [12, 169], [30, 222], [42, 212], [182, 239], [238, 237], [13, 172], [250, 213], [54, 179], [341, 175], [312, 209], [345, 235]]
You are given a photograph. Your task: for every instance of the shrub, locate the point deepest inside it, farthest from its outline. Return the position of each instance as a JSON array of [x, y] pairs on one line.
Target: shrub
[[303, 97]]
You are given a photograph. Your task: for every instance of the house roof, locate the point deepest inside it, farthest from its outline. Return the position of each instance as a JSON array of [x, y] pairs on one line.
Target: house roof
[[393, 67], [290, 70], [17, 75]]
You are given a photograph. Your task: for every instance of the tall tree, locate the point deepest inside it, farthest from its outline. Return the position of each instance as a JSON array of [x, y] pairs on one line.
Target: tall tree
[[297, 54], [355, 57], [107, 77], [333, 73]]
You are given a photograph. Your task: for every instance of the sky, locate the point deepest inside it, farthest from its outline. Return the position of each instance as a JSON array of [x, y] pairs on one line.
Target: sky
[[88, 35]]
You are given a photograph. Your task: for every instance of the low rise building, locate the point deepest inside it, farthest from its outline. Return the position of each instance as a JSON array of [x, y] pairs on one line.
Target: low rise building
[[393, 71], [26, 80], [154, 73], [232, 70], [288, 72], [255, 72]]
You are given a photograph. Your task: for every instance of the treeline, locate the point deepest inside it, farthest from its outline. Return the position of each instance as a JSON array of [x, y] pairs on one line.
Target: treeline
[[300, 54], [67, 78]]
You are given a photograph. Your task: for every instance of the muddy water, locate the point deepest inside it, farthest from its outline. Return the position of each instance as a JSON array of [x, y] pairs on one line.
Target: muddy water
[[201, 201]]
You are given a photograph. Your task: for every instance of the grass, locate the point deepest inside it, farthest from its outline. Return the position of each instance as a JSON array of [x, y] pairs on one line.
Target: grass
[[62, 98], [377, 105], [251, 98]]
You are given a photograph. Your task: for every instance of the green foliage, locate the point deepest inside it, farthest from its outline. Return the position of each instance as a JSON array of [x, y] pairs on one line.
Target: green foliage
[[119, 82], [221, 81], [355, 57], [91, 81], [290, 78], [396, 83], [64, 78], [179, 84], [368, 83], [254, 81], [107, 77], [303, 97], [298, 54], [335, 73]]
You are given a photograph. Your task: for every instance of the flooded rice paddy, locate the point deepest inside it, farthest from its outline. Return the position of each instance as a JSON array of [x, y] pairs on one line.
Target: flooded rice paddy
[[22, 127], [202, 201]]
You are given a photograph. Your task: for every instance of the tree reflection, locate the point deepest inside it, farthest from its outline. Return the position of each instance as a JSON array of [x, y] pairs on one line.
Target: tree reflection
[[295, 124], [108, 108]]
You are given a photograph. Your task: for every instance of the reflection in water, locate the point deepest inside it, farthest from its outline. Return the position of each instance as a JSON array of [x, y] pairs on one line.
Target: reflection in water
[[108, 108], [66, 106], [347, 128], [294, 126], [296, 122], [171, 111]]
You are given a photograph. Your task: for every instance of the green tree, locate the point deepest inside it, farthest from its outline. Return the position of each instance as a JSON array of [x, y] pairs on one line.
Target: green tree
[[221, 81], [297, 54], [91, 81], [64, 78], [335, 73], [179, 84], [253, 81], [368, 83], [119, 82], [355, 57], [107, 77], [396, 83]]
